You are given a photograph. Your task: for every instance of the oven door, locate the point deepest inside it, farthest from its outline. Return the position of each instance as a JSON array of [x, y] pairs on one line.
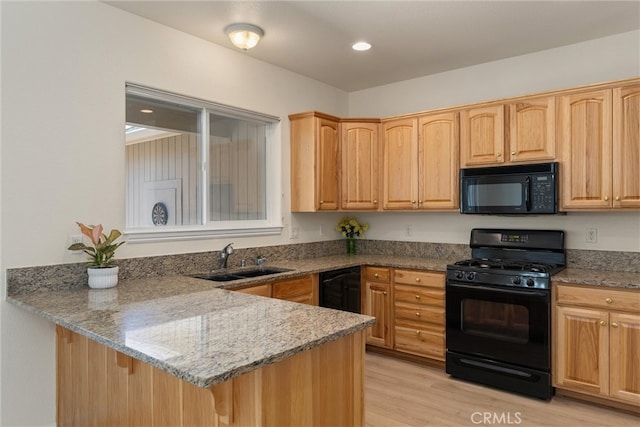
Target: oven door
[[510, 325]]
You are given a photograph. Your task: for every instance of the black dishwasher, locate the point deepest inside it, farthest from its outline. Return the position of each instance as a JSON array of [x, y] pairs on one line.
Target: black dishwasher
[[340, 289]]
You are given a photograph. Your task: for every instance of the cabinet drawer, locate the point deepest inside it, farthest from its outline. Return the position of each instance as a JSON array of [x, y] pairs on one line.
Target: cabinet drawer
[[260, 290], [421, 278], [420, 342], [608, 298], [288, 289], [419, 295], [420, 313], [377, 274]]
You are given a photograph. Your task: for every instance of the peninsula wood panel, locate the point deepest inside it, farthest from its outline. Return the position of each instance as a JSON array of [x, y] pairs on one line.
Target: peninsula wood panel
[[359, 146], [626, 147], [439, 146], [299, 390]]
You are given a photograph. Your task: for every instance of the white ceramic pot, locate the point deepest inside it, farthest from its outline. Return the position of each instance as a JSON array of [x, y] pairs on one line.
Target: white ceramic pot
[[102, 278]]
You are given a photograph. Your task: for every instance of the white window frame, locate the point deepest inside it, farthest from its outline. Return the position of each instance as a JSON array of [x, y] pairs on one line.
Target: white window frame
[[272, 225]]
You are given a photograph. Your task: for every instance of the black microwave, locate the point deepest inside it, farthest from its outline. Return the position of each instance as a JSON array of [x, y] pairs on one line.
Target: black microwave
[[510, 190]]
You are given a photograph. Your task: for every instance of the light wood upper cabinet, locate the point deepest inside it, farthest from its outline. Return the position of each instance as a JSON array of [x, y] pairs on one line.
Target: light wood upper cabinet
[[400, 164], [438, 172], [420, 162], [532, 130], [626, 147], [482, 136], [314, 162], [600, 141], [359, 146]]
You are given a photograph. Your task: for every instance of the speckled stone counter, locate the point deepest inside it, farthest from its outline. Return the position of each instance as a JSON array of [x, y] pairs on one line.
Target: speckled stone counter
[[191, 328]]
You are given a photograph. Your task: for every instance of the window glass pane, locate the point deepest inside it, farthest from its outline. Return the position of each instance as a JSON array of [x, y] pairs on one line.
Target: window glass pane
[[162, 160], [237, 172]]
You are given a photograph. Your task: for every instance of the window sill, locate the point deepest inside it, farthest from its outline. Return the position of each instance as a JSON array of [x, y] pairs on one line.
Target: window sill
[[144, 235]]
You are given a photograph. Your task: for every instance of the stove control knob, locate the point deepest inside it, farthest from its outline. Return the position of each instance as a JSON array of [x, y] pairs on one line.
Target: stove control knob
[[459, 274], [530, 282], [471, 275], [516, 280]]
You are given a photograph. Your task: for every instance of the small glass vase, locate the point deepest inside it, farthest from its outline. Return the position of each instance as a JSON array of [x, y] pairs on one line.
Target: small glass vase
[[351, 246]]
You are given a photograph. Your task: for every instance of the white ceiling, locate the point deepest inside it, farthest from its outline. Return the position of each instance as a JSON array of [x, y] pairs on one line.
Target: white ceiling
[[410, 38]]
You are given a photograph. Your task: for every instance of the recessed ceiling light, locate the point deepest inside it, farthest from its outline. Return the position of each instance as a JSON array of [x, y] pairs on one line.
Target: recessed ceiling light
[[146, 111], [360, 46]]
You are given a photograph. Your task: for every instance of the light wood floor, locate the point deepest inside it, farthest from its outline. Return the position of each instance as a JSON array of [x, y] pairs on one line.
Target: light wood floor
[[400, 393]]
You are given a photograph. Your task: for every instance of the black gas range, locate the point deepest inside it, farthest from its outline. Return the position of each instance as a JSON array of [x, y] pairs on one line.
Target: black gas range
[[498, 309]]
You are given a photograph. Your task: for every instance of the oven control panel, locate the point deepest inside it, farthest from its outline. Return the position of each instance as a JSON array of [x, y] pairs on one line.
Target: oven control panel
[[530, 280]]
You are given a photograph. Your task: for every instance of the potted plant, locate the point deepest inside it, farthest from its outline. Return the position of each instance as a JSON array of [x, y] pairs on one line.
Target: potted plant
[[351, 228], [101, 273]]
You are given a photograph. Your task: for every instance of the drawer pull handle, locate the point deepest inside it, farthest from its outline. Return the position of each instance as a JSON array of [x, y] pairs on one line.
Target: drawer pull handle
[[614, 325], [417, 296], [608, 300], [376, 275], [417, 279], [603, 323], [418, 314]]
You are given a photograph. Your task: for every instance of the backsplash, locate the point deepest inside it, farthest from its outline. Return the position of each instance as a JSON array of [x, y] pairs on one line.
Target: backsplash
[[68, 276]]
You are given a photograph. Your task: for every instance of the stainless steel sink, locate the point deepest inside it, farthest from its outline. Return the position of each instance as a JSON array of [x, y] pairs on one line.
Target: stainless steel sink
[[240, 274]]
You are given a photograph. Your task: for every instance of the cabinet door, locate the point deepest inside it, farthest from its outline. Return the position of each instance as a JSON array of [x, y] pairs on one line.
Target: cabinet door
[[438, 155], [626, 147], [378, 305], [585, 138], [400, 164], [360, 177], [532, 135], [482, 136], [624, 357], [582, 353], [327, 164]]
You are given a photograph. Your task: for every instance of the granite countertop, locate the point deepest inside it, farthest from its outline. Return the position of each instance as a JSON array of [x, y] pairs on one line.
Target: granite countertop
[[191, 328], [615, 279]]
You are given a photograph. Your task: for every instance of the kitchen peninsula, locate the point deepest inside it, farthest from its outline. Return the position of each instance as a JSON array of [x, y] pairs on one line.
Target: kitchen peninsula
[[176, 350]]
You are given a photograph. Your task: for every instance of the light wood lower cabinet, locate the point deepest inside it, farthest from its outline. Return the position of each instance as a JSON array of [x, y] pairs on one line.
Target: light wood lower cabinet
[[377, 303], [300, 289], [419, 313], [597, 342], [98, 386]]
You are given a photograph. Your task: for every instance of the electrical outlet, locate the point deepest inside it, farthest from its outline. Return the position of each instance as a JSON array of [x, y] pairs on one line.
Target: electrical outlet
[[408, 229], [293, 232], [73, 239], [592, 235]]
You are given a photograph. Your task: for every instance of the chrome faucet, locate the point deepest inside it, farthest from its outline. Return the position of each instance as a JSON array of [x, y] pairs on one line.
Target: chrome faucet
[[224, 255]]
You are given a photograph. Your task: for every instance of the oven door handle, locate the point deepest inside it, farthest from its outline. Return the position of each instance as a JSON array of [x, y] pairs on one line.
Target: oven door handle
[[527, 292], [527, 193]]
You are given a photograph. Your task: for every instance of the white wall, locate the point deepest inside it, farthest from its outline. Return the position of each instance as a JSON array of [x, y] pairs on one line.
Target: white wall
[[64, 68], [609, 58], [64, 65]]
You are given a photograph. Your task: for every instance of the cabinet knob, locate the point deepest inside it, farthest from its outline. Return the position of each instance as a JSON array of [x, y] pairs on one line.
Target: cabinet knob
[[614, 325], [413, 202], [384, 292], [499, 155], [417, 332], [417, 279], [603, 323], [321, 201], [617, 198], [417, 296], [418, 314], [375, 202], [606, 198], [608, 300], [376, 275], [513, 153]]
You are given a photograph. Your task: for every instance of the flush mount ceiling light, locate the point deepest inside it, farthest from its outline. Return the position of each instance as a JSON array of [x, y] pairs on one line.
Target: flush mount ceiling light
[[244, 36], [361, 46]]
